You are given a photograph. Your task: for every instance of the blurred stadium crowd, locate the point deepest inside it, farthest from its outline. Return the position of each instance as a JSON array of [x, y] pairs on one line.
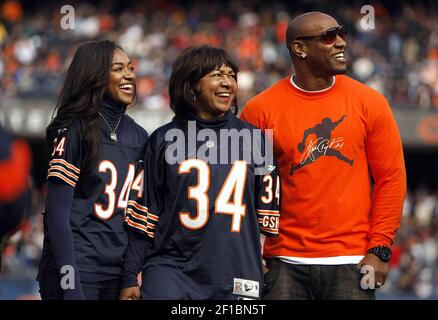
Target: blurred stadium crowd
[[399, 58]]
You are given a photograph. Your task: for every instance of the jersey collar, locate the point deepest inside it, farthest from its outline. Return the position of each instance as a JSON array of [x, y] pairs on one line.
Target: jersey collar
[[218, 123], [111, 110]]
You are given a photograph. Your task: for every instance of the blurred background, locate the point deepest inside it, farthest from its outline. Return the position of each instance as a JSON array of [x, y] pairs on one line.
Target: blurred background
[[398, 57]]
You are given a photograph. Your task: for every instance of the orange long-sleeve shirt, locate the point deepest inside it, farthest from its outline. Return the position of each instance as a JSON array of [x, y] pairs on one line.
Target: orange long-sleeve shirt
[[328, 144], [14, 171]]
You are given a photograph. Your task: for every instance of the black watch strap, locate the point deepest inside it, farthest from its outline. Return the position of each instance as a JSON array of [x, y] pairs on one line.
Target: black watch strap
[[382, 252]]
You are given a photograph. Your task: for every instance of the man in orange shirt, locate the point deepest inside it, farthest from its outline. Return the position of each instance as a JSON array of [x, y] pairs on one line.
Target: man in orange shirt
[[342, 167]]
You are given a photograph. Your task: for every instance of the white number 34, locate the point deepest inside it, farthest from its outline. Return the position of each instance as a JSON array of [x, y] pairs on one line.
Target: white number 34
[[110, 189]]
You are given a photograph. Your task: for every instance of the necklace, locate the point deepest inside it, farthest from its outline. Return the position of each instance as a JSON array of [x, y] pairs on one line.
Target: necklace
[[113, 134]]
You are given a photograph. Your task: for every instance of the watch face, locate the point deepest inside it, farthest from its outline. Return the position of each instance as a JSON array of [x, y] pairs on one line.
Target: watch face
[[385, 253]]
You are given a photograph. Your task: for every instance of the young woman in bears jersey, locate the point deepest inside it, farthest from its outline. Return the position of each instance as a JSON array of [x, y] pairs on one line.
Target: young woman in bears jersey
[[195, 233], [94, 147]]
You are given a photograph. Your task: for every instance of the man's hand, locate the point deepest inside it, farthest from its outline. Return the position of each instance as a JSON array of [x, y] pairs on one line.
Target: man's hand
[[380, 268], [132, 293]]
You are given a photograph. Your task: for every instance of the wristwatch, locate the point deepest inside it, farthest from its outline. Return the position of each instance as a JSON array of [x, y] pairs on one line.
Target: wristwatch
[[382, 252]]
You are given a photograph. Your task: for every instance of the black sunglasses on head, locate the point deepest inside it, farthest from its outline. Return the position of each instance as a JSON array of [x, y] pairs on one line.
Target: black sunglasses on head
[[328, 36]]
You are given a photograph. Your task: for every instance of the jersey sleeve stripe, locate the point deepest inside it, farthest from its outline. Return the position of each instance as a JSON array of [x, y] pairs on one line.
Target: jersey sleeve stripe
[[136, 215], [62, 177], [65, 163], [139, 227], [269, 230], [151, 234], [269, 212], [136, 225], [137, 206], [150, 225], [63, 170], [153, 216]]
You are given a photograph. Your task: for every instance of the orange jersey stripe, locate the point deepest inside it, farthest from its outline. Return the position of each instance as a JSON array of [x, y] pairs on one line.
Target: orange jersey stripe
[[70, 174], [269, 212], [136, 225], [62, 161], [137, 206], [136, 215]]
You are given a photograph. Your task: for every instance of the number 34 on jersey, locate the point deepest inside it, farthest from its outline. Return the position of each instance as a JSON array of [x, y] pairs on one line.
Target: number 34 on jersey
[[229, 199], [236, 197]]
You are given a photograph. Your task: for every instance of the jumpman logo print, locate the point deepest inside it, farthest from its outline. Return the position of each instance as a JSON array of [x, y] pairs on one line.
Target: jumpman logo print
[[323, 146]]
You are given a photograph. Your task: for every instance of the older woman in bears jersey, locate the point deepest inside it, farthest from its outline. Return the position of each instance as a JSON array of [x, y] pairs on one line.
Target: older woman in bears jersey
[[196, 230], [94, 149]]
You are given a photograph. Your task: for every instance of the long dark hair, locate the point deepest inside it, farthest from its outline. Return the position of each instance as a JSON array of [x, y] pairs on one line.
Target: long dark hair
[[80, 96], [191, 65]]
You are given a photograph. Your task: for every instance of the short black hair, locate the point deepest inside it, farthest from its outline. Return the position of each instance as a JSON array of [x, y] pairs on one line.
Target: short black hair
[[192, 64]]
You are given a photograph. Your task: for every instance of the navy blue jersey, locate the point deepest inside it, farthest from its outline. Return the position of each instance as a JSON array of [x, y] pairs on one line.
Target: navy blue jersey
[[100, 195], [204, 214]]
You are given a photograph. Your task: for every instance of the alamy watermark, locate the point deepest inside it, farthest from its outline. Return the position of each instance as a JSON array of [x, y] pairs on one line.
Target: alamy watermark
[[68, 20], [368, 20], [224, 146], [368, 278], [68, 277]]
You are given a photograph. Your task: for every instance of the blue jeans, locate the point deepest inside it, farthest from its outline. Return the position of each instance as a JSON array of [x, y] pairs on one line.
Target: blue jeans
[[286, 281]]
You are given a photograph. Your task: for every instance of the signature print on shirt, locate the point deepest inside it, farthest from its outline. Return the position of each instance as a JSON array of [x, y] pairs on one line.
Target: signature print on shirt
[[324, 145]]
